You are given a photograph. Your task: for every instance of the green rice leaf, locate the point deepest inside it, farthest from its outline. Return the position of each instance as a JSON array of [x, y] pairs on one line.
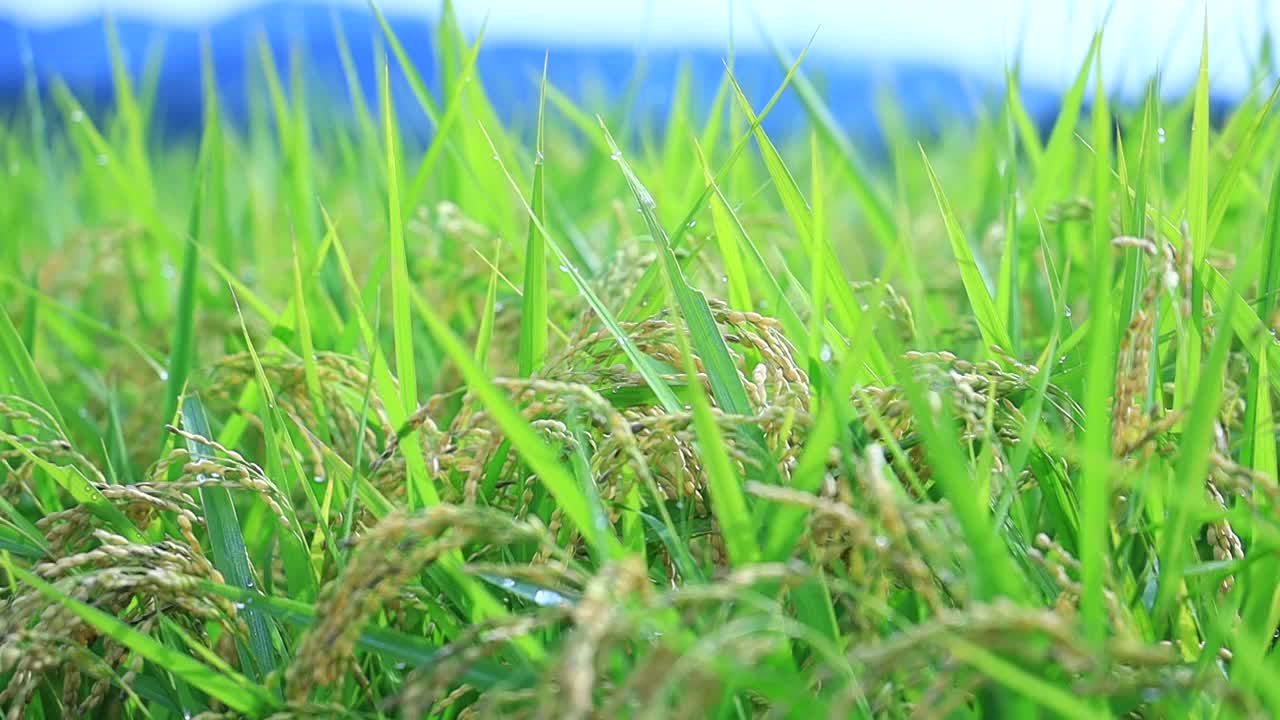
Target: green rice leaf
[[230, 556], [22, 371], [421, 490], [990, 324], [1095, 492], [533, 319]]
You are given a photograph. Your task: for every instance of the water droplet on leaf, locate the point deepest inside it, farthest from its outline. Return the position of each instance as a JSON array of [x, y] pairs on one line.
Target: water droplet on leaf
[[548, 598]]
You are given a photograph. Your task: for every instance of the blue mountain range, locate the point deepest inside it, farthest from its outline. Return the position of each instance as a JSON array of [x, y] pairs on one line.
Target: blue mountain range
[[78, 54]]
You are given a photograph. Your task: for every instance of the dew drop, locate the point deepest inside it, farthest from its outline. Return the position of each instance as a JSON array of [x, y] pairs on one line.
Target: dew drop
[[402, 666], [825, 353], [1160, 135], [77, 116], [317, 480], [249, 583], [164, 374], [548, 598], [240, 606], [882, 542], [692, 223], [617, 155], [507, 583], [168, 272], [724, 279], [537, 158], [495, 156], [1066, 311], [103, 160], [564, 268]]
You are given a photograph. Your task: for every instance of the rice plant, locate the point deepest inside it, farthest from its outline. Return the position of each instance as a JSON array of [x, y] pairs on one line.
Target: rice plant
[[586, 414]]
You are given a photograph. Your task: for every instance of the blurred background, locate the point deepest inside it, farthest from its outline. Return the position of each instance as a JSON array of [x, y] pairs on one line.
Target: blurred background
[[937, 56]]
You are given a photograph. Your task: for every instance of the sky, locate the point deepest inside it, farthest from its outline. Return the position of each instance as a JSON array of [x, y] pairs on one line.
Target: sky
[[980, 36]]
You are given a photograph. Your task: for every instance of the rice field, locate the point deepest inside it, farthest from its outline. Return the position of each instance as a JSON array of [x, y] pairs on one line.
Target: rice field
[[591, 415]]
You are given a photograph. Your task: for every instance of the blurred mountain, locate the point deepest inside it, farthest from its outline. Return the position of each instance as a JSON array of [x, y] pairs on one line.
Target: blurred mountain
[[599, 77]]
